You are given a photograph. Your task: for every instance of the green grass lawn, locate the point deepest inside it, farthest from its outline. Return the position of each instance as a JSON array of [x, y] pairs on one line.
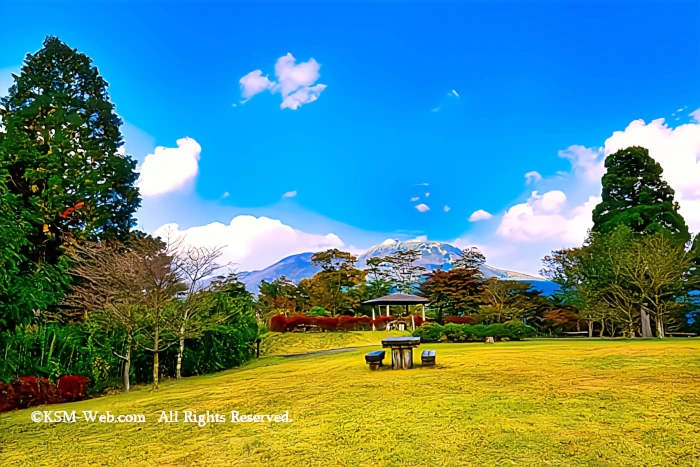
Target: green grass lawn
[[283, 343], [541, 402]]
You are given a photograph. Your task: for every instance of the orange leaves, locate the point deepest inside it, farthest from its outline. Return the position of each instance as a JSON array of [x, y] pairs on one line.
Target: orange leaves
[[70, 210]]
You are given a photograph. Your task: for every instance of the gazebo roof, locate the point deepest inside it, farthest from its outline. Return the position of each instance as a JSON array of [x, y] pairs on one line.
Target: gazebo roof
[[397, 299]]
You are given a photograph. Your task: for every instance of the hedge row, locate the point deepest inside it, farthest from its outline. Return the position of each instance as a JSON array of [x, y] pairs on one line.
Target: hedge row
[[281, 323], [451, 332], [459, 320], [29, 391]]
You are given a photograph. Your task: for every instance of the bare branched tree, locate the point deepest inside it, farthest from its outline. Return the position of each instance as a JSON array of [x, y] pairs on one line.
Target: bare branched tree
[[162, 283], [194, 264], [108, 290]]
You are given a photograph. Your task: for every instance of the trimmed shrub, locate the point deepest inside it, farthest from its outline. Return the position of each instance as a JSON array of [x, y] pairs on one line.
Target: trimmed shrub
[[27, 391], [459, 320], [429, 332], [296, 321], [418, 319], [30, 391], [72, 388], [317, 311], [347, 323], [278, 323], [327, 323], [517, 330], [380, 322], [455, 332], [8, 399]]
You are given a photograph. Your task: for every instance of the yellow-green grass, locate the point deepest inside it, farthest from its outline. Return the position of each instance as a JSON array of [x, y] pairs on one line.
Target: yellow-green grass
[[541, 402], [284, 343]]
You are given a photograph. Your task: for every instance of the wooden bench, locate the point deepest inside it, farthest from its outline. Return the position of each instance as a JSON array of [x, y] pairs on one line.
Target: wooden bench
[[427, 358], [375, 359], [576, 333], [681, 334]]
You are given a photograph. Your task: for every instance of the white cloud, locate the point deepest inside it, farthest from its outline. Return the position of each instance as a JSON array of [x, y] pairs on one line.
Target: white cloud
[[436, 109], [696, 115], [479, 215], [532, 177], [422, 207], [427, 195], [561, 217], [419, 238], [254, 83], [676, 149], [169, 169], [226, 194], [289, 194], [295, 82], [587, 163], [421, 184], [252, 243], [446, 208], [454, 93], [545, 217], [305, 95], [415, 198]]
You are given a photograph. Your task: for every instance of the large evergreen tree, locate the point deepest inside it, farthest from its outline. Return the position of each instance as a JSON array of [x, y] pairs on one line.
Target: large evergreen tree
[[61, 153], [635, 195], [64, 177]]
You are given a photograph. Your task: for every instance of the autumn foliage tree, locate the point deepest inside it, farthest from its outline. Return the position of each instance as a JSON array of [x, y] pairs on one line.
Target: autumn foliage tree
[[457, 291]]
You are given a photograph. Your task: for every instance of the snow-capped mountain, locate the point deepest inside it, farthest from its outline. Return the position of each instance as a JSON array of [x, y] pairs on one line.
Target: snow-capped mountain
[[433, 255]]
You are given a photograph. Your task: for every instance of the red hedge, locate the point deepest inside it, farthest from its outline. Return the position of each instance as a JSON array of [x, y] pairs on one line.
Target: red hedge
[[280, 323], [327, 323], [30, 391], [460, 320], [72, 388], [380, 322], [296, 321], [277, 323]]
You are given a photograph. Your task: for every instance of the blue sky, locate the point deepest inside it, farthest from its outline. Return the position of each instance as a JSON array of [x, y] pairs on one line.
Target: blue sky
[[529, 80]]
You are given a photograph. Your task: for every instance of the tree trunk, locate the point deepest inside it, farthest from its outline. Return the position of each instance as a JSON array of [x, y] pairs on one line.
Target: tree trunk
[[602, 327], [659, 326], [180, 352], [590, 328], [646, 325], [127, 369], [155, 359]]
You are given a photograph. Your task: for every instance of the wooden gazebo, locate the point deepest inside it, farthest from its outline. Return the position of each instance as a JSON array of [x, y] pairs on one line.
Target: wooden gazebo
[[395, 299]]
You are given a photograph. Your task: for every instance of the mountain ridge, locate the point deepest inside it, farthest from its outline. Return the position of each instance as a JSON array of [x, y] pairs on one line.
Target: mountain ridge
[[433, 255]]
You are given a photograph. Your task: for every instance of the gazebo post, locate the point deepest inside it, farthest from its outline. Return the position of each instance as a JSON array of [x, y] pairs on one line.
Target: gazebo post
[[413, 323], [373, 327], [423, 310], [387, 310]]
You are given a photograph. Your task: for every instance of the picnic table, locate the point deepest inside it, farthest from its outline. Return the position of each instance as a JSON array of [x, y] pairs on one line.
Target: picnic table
[[401, 351]]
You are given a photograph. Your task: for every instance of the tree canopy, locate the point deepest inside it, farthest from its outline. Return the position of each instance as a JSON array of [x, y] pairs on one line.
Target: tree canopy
[[635, 195]]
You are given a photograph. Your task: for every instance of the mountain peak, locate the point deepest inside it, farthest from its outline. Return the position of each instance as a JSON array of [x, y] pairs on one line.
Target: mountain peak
[[433, 255]]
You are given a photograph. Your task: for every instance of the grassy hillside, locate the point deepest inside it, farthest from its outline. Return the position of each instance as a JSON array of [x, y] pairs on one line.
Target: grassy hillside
[[283, 343], [543, 402]]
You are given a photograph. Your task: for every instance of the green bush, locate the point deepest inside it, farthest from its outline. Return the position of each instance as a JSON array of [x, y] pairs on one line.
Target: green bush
[[317, 311], [455, 332], [514, 330], [517, 330], [429, 332]]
